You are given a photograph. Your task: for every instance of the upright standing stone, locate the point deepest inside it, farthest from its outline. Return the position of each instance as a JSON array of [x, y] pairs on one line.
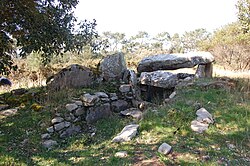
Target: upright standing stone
[[71, 77], [113, 66]]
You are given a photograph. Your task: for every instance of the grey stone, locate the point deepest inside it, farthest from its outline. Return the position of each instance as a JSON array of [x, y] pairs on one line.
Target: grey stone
[[49, 144], [134, 112], [125, 88], [105, 99], [57, 120], [172, 95], [113, 66], [127, 133], [129, 77], [119, 105], [72, 130], [121, 154], [71, 107], [79, 103], [80, 111], [96, 113], [45, 136], [62, 125], [161, 79], [89, 100], [8, 112], [50, 129], [113, 96], [101, 94], [164, 149], [174, 61], [199, 126], [71, 77], [204, 116]]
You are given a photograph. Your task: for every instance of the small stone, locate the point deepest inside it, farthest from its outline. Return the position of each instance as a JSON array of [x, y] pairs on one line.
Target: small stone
[[134, 112], [164, 148], [57, 120], [121, 154], [127, 133], [101, 94], [45, 136], [125, 88], [198, 126], [79, 111], [204, 116], [60, 126], [71, 107], [50, 129], [89, 100], [8, 112], [70, 131], [49, 144], [105, 99], [119, 105], [79, 103], [172, 95], [113, 96]]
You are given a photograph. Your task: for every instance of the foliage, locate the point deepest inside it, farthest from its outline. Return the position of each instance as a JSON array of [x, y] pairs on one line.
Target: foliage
[[45, 26], [243, 7], [192, 40], [230, 47]]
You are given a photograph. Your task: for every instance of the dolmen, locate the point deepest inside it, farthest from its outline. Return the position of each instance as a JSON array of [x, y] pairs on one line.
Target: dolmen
[[154, 72]]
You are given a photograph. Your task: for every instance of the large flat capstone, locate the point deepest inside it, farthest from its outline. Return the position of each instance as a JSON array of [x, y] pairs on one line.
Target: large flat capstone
[[174, 61]]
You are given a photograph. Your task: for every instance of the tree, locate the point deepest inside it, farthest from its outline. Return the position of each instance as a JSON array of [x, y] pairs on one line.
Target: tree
[[176, 44], [161, 41], [46, 26], [243, 7], [230, 47], [191, 40]]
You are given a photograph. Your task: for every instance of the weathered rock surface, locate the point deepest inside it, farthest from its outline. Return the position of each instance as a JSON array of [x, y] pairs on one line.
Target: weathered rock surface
[[159, 78], [174, 61], [119, 105], [72, 130], [57, 120], [45, 136], [134, 112], [99, 112], [8, 112], [60, 126], [199, 126], [71, 77], [127, 133], [121, 154], [113, 66], [204, 116], [49, 144], [71, 107], [89, 100], [164, 148]]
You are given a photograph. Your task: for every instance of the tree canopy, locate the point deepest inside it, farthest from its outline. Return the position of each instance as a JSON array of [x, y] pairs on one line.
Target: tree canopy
[[46, 26]]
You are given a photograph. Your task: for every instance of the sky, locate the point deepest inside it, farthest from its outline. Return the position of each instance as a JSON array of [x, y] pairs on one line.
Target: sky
[[155, 16]]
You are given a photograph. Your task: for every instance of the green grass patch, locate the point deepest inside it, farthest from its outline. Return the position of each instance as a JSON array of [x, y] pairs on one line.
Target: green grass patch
[[225, 142]]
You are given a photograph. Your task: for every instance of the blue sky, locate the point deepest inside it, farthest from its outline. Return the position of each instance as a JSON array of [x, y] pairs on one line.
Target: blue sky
[[155, 16]]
